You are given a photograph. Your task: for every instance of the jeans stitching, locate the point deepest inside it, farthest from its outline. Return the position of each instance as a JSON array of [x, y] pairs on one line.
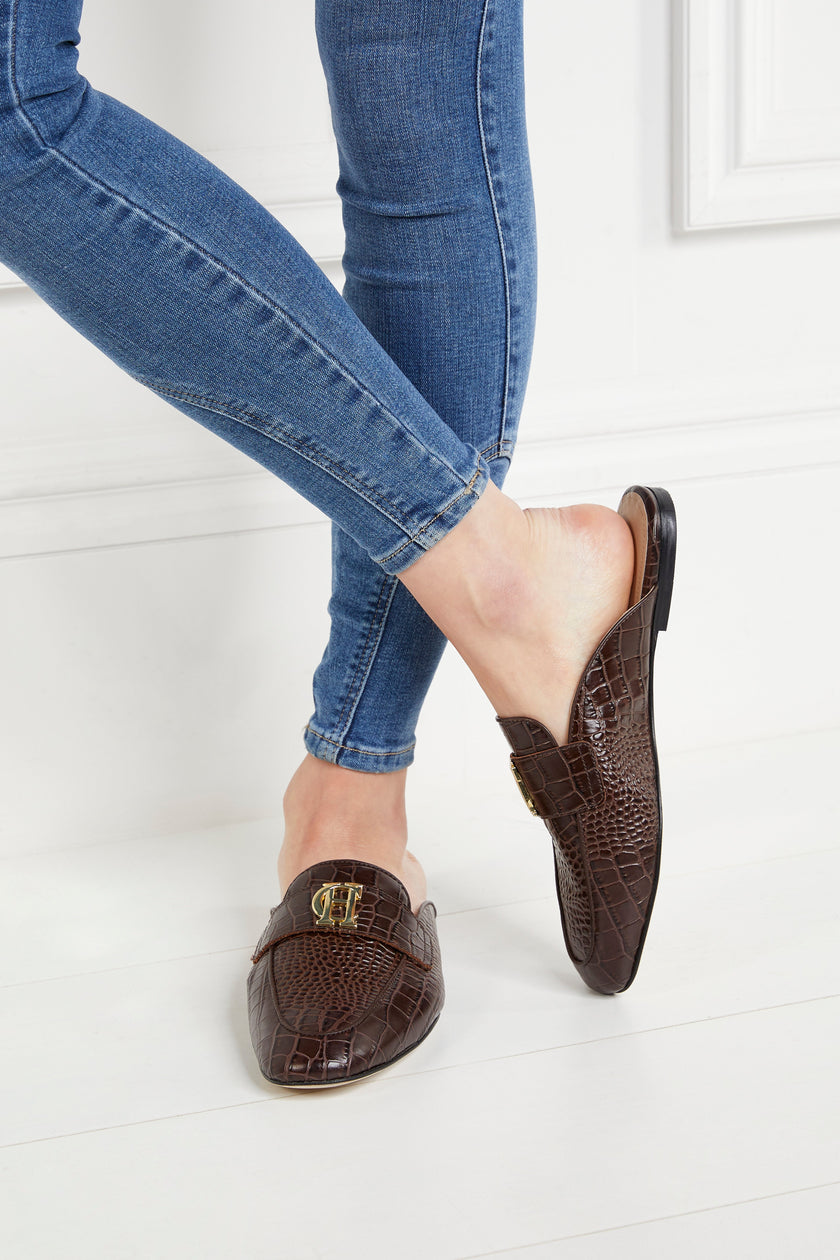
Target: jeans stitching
[[365, 751], [279, 435], [496, 217], [498, 450], [353, 691], [468, 489], [229, 271]]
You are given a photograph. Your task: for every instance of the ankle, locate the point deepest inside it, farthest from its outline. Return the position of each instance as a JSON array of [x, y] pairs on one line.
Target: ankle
[[330, 811], [471, 581], [333, 813], [321, 795]]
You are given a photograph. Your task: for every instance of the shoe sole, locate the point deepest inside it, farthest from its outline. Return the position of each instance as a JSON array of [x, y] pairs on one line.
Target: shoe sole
[[661, 611]]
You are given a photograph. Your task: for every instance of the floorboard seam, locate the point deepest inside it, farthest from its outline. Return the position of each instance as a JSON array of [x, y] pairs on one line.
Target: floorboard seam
[[406, 1076], [652, 1220]]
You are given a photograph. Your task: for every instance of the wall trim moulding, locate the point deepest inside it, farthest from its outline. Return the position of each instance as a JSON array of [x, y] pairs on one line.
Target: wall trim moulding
[[296, 182], [741, 156], [558, 470]]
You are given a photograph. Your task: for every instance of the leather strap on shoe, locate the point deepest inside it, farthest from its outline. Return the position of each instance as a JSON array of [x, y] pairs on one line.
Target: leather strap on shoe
[[554, 780], [379, 911]]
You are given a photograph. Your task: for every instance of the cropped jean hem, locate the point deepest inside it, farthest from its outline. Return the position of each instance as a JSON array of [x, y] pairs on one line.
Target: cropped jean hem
[[373, 760], [439, 525]]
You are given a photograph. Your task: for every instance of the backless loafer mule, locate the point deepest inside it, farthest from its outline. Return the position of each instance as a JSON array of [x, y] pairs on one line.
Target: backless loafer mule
[[599, 794], [345, 978]]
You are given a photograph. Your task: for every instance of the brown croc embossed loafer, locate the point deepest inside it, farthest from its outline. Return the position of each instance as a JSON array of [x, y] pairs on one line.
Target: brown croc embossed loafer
[[599, 794], [346, 979]]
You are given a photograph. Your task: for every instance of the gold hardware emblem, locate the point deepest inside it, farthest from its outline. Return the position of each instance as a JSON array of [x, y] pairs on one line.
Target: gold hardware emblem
[[526, 795], [334, 905]]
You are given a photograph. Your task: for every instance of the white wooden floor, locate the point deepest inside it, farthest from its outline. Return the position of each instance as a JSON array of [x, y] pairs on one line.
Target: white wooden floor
[[694, 1116]]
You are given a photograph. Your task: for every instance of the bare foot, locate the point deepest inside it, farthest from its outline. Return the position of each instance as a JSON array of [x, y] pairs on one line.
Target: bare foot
[[332, 812], [526, 596]]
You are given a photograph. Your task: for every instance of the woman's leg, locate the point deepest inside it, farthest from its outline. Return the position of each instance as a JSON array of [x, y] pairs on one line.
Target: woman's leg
[[429, 114], [191, 286], [428, 106]]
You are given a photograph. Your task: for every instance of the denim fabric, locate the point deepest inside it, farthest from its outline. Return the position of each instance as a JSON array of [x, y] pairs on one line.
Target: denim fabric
[[390, 408], [428, 107]]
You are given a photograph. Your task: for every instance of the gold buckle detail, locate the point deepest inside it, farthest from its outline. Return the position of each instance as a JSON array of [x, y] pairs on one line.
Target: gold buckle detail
[[334, 905], [526, 795]]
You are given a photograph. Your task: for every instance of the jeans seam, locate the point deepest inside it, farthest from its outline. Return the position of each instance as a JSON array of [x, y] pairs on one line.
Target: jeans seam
[[227, 270], [367, 752], [279, 435], [468, 489], [498, 450], [354, 690], [496, 217]]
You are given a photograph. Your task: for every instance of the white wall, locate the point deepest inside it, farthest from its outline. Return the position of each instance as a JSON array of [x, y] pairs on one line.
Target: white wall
[[156, 644]]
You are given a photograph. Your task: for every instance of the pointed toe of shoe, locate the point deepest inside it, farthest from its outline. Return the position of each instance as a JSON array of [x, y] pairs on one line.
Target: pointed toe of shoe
[[332, 1000]]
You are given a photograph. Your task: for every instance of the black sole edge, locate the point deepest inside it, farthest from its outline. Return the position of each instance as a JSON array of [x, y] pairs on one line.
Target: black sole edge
[[665, 584], [667, 557]]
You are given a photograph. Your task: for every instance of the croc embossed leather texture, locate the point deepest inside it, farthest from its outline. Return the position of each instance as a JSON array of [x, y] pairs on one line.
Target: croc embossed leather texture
[[345, 978], [599, 794]]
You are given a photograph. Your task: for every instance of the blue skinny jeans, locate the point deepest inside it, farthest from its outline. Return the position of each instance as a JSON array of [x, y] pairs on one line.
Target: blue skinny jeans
[[388, 406]]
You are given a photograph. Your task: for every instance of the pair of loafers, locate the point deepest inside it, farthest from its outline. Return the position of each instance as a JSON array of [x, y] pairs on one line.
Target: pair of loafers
[[346, 978]]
